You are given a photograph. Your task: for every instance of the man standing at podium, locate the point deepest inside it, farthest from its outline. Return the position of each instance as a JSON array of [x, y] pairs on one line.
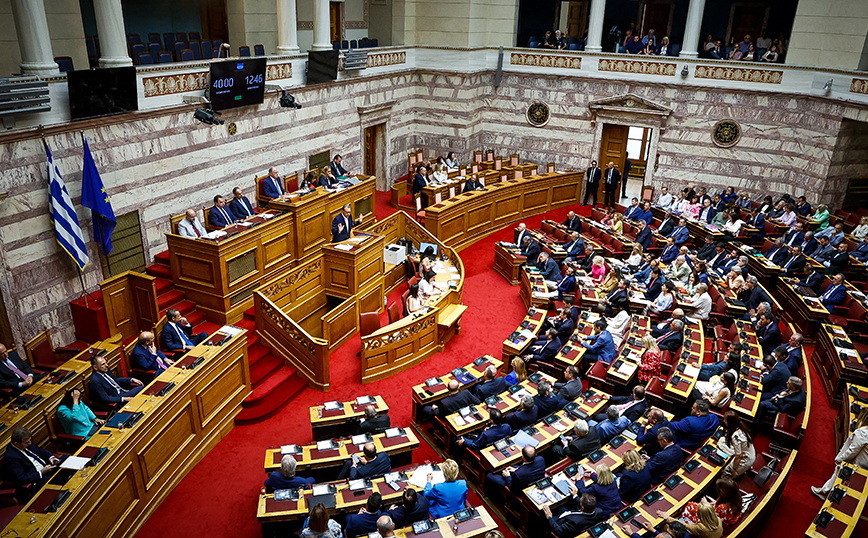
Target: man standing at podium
[[343, 224]]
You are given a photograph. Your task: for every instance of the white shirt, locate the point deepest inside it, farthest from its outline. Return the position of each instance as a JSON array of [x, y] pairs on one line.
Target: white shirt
[[733, 227], [665, 200], [855, 449], [618, 325], [33, 460], [703, 306], [425, 288]]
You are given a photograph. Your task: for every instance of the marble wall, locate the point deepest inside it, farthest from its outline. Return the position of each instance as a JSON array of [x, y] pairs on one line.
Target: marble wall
[[849, 160], [830, 34]]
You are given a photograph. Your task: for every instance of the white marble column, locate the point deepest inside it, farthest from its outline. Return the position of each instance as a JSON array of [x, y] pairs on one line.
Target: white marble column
[[33, 39], [595, 26], [690, 47], [321, 25], [287, 27], [112, 34]]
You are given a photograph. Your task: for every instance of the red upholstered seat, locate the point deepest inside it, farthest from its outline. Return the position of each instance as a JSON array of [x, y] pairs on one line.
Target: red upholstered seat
[[369, 322], [560, 235], [788, 430], [404, 297], [64, 443], [597, 376], [547, 227], [654, 391], [394, 312]]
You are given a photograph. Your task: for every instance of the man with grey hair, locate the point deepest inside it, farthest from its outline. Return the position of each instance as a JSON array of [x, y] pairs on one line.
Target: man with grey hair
[[490, 384], [546, 402], [790, 402], [374, 423], [663, 327], [582, 443], [530, 249], [146, 356], [385, 527], [190, 226], [614, 424], [527, 415], [272, 186], [701, 302], [285, 478], [673, 338], [777, 254], [178, 333], [679, 270], [343, 224], [765, 307]]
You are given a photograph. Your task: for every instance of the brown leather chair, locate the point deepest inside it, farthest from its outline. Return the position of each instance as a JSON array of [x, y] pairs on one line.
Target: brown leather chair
[[369, 322], [42, 354], [394, 311], [63, 442]]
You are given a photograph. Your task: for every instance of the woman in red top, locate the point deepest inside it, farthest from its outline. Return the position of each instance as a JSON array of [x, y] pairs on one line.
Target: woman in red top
[[649, 367], [728, 505]]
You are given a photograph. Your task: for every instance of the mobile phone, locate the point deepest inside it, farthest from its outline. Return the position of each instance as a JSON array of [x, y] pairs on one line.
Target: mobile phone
[[356, 459]]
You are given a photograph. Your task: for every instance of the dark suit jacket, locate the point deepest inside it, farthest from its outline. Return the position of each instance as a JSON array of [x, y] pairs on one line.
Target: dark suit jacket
[[645, 237], [573, 524], [838, 263], [471, 185], [375, 425], [680, 235], [654, 289], [669, 254], [775, 381], [531, 251], [324, 181], [575, 224], [8, 379], [361, 524], [550, 270], [170, 339], [808, 248], [565, 329], [794, 237], [490, 388], [378, 467], [337, 169], [338, 236], [593, 176], [489, 436], [693, 431], [777, 255], [548, 351], [270, 190], [575, 248], [520, 419], [419, 183], [757, 296], [794, 360], [709, 214], [706, 252], [216, 217], [791, 404], [460, 399], [672, 342], [526, 474], [835, 298], [796, 265], [403, 517], [102, 391], [769, 337], [547, 406], [813, 282], [666, 227], [648, 440], [664, 463], [570, 390], [239, 208], [611, 182], [634, 411], [581, 448], [143, 360], [19, 470], [634, 484]]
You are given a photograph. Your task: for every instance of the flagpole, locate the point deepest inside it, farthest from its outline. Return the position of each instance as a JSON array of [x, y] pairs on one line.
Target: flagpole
[[99, 227]]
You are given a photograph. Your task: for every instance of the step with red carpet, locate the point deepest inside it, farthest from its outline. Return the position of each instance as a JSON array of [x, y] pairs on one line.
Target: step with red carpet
[[159, 270]]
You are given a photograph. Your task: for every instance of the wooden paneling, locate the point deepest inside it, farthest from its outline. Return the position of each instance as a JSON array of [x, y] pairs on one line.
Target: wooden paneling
[[130, 303], [118, 500], [399, 346], [158, 453], [341, 323]]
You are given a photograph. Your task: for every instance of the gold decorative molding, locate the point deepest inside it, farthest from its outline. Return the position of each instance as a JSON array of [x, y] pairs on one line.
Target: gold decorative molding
[[546, 60], [726, 133], [403, 334], [389, 58], [190, 82], [287, 326], [859, 85], [639, 67], [277, 287], [739, 74]]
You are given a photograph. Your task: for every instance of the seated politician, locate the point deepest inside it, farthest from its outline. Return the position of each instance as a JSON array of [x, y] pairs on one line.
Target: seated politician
[[693, 430], [473, 184], [190, 226], [105, 388], [178, 333], [337, 169], [327, 179], [220, 216], [272, 186], [365, 520], [343, 224], [447, 497], [414, 507], [76, 417], [286, 478], [25, 464], [146, 356], [240, 206], [495, 431], [490, 384], [370, 465], [599, 344], [374, 423], [420, 181], [15, 374]]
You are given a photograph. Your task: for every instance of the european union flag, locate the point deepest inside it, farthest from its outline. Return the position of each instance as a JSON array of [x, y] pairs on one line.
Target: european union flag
[[93, 195]]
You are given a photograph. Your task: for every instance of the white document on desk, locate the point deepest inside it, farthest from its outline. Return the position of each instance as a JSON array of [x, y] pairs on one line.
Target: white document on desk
[[344, 246], [690, 371], [420, 476], [626, 368], [74, 462]]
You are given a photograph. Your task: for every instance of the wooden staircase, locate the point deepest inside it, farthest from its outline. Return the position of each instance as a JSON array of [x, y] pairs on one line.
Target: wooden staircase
[[274, 382]]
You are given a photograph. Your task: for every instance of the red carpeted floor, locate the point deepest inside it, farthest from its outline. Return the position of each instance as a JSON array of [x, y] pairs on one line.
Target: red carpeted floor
[[218, 497]]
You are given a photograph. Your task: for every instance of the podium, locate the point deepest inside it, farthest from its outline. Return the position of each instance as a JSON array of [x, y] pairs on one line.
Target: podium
[[354, 267]]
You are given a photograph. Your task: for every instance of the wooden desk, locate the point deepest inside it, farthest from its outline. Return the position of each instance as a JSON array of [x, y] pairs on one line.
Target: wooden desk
[[805, 313], [533, 291], [508, 262], [146, 461], [462, 220], [354, 268], [848, 512], [326, 424], [520, 343], [694, 346], [837, 371], [424, 394]]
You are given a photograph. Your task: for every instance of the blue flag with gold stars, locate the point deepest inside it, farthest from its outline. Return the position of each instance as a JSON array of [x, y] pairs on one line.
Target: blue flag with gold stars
[[93, 195]]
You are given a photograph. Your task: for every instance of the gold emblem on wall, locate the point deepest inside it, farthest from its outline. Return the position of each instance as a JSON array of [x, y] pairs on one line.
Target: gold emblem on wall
[[538, 114], [726, 133], [232, 128]]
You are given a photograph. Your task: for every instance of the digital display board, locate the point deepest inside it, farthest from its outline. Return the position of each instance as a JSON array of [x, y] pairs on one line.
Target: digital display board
[[237, 82]]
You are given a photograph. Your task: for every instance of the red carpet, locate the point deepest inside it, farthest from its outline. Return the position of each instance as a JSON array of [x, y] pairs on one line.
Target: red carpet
[[218, 497]]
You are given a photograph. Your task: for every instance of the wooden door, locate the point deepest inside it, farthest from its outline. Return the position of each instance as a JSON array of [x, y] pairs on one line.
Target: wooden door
[[747, 19], [335, 20], [657, 16], [215, 24], [577, 19], [613, 148], [371, 150]]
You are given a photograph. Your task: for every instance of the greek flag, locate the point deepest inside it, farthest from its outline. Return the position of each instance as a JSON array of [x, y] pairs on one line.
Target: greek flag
[[66, 226]]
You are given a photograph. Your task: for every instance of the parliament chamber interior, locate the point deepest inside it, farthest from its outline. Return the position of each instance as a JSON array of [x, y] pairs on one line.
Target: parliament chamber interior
[[473, 269]]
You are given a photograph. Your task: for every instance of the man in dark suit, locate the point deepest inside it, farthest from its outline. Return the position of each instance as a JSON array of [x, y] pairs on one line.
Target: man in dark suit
[[666, 225], [585, 440], [545, 352], [496, 431], [240, 206], [592, 175], [574, 248], [420, 181], [795, 236], [667, 459], [755, 295], [473, 184], [693, 430], [707, 213], [455, 400], [516, 478], [549, 270], [611, 178], [24, 463], [838, 261], [527, 415], [824, 251], [571, 388], [768, 333], [565, 325], [617, 298], [632, 406], [670, 252], [546, 402], [791, 401], [778, 252], [374, 423], [809, 244], [774, 378], [146, 356], [365, 521], [573, 222], [490, 385], [812, 280], [663, 327], [520, 233], [673, 338], [758, 221], [220, 216], [680, 234], [644, 236], [530, 249], [860, 253], [178, 333], [272, 186], [566, 285], [106, 388], [707, 251], [15, 374], [634, 210], [794, 353], [720, 255], [413, 508], [370, 465], [569, 523], [337, 169], [647, 436], [343, 224], [835, 294]]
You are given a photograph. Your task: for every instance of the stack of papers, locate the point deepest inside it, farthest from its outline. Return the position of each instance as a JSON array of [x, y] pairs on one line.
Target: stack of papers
[[626, 368], [559, 426], [324, 445], [359, 440], [230, 330], [74, 462], [333, 406], [691, 371], [393, 432], [344, 246], [364, 400], [216, 234], [520, 394], [321, 489], [288, 449], [420, 476], [244, 223], [267, 216], [527, 334], [521, 440], [848, 352]]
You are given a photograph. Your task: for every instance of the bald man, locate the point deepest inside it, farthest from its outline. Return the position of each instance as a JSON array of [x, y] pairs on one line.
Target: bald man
[[146, 356], [190, 226]]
